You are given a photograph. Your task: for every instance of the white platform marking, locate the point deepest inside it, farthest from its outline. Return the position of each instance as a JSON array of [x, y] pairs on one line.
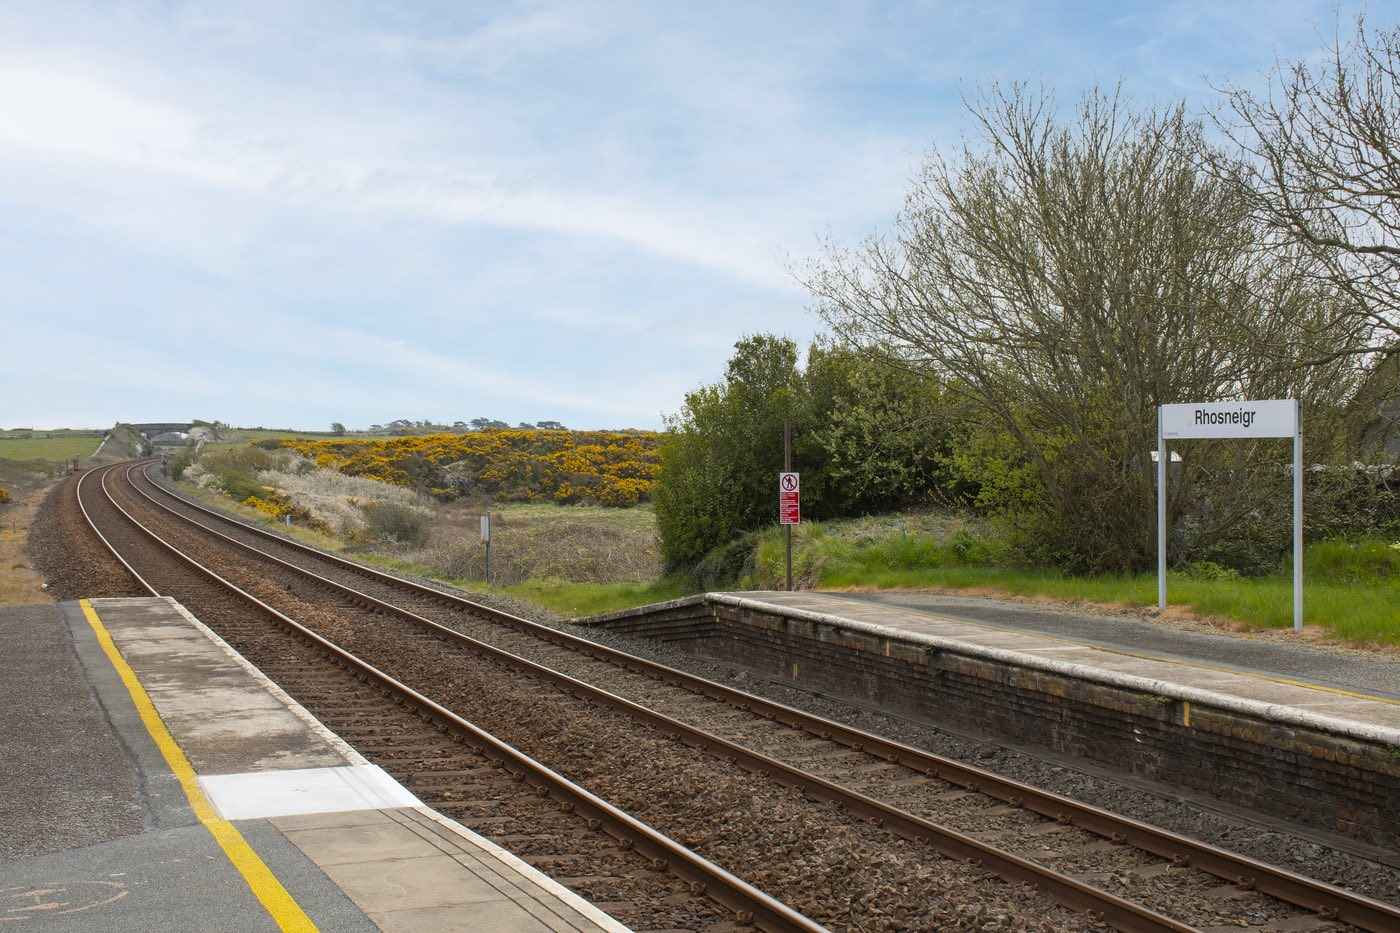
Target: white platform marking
[[305, 790]]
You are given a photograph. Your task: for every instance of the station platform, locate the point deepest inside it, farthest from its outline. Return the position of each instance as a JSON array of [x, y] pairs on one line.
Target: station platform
[[152, 780], [1341, 688]]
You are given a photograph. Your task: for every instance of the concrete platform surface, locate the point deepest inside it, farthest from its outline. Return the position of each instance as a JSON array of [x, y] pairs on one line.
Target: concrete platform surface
[[1345, 688], [220, 803]]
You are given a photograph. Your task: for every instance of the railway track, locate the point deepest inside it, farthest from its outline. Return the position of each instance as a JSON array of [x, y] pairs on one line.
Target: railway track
[[1117, 871]]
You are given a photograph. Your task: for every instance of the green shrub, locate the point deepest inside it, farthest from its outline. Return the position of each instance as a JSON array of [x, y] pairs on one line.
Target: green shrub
[[1209, 570], [239, 486], [236, 469], [405, 524], [4, 495], [863, 550], [724, 566], [176, 466], [1357, 560], [912, 551], [248, 460], [904, 552]]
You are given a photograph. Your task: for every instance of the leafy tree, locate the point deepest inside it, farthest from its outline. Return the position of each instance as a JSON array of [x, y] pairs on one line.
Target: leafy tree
[[1067, 277], [720, 459], [337, 429], [867, 436], [879, 431]]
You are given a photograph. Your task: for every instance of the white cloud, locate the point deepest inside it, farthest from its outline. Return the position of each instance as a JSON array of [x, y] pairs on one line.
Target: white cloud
[[575, 205], [79, 116], [94, 123]]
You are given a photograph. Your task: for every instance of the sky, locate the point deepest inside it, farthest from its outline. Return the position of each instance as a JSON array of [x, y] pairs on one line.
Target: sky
[[290, 213]]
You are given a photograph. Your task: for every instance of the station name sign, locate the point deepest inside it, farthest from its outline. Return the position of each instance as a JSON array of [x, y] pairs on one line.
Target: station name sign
[[1269, 418]]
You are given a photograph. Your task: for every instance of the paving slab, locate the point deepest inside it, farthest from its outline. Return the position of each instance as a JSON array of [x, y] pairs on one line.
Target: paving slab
[[350, 848]]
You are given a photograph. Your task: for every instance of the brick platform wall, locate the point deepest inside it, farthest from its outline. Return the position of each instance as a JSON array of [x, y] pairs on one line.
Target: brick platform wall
[[1312, 777]]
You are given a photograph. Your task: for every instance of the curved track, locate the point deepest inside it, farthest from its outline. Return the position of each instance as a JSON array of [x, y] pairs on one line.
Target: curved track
[[627, 858], [906, 791]]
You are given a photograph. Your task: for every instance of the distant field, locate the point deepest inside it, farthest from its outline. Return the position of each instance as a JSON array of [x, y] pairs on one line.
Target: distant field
[[65, 446], [45, 432]]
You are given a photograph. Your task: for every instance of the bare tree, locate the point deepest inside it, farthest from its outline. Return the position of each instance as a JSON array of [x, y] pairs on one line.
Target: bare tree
[[1321, 160], [1071, 276]]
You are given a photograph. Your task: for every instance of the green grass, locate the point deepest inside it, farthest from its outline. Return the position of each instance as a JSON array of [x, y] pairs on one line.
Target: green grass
[[1352, 588], [63, 446], [566, 598], [587, 599]]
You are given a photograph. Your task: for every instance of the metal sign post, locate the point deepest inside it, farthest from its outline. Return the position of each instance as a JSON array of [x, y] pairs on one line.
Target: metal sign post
[[486, 537], [789, 497], [789, 512], [1269, 418]]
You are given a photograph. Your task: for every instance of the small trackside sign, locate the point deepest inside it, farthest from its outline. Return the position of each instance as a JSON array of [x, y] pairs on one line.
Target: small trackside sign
[[1270, 418], [789, 499]]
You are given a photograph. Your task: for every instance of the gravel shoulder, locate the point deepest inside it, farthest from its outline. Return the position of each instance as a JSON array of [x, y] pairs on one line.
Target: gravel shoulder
[[71, 561]]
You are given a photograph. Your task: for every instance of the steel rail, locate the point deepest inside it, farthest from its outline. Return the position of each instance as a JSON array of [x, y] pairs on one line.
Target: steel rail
[[1328, 901], [750, 905], [103, 538], [1070, 893]]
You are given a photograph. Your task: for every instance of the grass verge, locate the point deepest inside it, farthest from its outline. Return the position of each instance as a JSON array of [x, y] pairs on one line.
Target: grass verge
[[587, 599], [1352, 589]]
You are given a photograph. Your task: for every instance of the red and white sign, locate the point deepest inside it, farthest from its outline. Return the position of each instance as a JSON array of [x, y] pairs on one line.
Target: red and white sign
[[789, 499]]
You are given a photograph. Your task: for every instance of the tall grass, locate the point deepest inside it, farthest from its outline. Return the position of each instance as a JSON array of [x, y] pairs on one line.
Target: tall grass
[[586, 599]]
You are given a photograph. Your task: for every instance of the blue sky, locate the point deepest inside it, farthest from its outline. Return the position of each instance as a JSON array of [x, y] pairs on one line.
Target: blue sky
[[292, 213]]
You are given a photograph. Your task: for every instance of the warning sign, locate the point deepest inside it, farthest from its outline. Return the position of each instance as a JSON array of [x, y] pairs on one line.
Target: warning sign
[[789, 499]]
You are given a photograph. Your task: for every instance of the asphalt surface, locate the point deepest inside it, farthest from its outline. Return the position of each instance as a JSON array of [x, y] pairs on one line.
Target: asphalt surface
[[65, 780], [1336, 667], [95, 831]]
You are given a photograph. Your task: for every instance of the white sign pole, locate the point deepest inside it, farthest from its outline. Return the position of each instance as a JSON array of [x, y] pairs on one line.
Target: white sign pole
[[1298, 520], [1267, 418], [1161, 516], [486, 537]]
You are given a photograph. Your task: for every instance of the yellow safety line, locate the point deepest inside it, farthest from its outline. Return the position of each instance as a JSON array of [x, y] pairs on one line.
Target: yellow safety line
[[1112, 650], [261, 881]]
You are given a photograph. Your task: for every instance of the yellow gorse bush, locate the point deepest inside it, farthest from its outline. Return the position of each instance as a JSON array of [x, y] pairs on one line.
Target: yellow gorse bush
[[605, 467], [279, 506]]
